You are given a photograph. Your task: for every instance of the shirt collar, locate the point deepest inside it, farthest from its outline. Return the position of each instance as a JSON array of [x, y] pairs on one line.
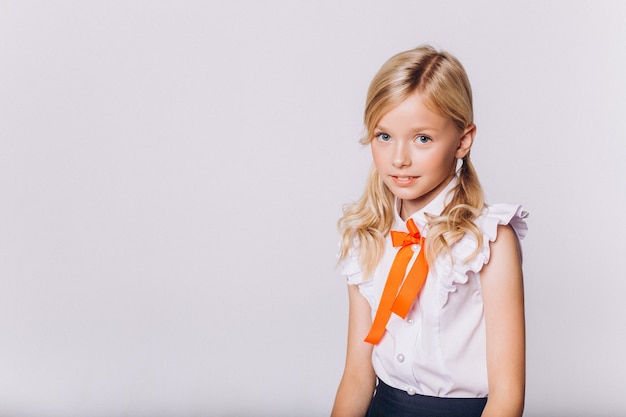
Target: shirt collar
[[434, 208]]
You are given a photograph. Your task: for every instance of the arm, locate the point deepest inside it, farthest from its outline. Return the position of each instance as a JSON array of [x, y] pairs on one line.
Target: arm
[[503, 297], [358, 382]]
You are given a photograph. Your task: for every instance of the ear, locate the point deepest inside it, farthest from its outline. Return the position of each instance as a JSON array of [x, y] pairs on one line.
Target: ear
[[466, 141]]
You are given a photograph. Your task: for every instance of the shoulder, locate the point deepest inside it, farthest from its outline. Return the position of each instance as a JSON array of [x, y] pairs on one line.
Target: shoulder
[[495, 219], [501, 223], [506, 245], [350, 266], [495, 215]]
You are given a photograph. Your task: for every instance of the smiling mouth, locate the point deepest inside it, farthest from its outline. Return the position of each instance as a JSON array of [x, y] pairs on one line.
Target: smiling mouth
[[403, 180]]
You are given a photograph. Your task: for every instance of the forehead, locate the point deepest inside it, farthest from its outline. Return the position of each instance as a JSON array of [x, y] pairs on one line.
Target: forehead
[[415, 112]]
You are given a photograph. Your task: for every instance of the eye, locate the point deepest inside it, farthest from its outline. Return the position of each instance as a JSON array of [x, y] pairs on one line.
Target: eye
[[383, 137], [422, 139]]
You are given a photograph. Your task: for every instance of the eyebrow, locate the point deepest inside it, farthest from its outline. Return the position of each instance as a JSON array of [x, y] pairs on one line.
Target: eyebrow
[[413, 130]]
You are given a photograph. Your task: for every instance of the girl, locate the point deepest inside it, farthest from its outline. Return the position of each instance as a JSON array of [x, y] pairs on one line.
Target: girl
[[436, 320]]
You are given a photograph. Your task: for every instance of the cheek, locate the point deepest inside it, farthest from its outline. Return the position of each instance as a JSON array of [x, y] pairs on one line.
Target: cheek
[[434, 161], [447, 159]]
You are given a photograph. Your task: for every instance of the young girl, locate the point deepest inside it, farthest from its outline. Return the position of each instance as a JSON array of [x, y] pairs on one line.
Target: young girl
[[434, 275]]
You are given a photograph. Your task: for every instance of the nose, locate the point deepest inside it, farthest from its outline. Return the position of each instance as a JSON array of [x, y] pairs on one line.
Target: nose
[[401, 157]]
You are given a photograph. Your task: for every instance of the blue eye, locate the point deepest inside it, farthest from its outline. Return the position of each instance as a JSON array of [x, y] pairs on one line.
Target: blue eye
[[422, 139], [383, 137]]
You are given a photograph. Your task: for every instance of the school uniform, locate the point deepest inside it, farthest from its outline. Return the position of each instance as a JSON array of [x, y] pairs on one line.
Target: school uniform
[[437, 353]]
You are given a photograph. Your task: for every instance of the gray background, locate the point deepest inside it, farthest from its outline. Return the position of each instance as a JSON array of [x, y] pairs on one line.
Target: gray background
[[171, 174]]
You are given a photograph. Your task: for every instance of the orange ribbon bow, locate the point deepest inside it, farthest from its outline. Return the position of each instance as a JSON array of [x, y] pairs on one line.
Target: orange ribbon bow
[[395, 299]]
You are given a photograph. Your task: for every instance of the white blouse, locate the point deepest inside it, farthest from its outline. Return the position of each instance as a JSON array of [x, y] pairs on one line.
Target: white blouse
[[439, 349]]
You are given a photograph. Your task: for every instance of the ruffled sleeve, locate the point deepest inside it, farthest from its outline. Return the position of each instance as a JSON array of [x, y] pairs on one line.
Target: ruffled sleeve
[[350, 268], [497, 214], [452, 274]]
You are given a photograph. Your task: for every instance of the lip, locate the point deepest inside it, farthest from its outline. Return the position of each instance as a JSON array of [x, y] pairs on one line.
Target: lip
[[403, 180]]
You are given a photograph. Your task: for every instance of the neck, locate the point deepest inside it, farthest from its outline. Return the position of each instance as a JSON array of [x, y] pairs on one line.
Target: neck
[[408, 208]]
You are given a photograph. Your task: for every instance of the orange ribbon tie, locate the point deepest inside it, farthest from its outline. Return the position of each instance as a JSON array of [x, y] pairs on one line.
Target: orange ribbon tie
[[396, 299]]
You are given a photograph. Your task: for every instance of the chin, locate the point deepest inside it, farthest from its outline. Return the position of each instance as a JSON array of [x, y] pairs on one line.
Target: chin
[[405, 195]]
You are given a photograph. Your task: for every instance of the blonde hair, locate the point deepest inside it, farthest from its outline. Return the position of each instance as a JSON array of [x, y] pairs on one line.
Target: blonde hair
[[441, 79]]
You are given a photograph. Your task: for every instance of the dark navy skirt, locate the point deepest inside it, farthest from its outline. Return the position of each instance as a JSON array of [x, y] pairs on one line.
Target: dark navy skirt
[[392, 402]]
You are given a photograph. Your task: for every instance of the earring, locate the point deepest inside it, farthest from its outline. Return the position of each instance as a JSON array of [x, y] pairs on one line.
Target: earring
[[459, 164]]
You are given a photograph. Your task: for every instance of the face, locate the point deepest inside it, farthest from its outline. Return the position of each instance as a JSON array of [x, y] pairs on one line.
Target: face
[[415, 152]]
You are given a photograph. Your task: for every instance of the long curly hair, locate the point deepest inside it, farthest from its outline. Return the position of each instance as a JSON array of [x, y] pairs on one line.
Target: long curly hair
[[441, 79]]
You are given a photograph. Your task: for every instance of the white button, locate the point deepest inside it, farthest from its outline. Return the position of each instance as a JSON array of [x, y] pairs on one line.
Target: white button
[[400, 357], [411, 391], [415, 247], [410, 320]]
